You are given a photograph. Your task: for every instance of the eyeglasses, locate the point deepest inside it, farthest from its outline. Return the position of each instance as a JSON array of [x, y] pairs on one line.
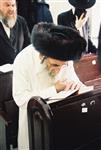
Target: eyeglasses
[[53, 62], [43, 59]]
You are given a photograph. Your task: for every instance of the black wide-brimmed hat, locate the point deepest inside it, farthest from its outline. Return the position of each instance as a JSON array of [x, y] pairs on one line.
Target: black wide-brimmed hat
[[82, 3], [58, 42]]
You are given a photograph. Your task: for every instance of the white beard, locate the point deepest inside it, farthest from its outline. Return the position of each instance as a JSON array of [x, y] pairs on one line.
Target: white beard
[[9, 22]]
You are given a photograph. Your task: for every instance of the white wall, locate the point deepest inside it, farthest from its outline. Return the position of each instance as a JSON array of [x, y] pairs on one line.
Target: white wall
[[95, 20], [58, 6]]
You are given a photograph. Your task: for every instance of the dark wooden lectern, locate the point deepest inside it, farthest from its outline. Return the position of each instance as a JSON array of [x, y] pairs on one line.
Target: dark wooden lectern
[[73, 123]]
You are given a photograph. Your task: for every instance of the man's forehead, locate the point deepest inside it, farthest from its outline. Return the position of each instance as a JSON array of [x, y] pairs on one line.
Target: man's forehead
[[56, 61], [11, 1]]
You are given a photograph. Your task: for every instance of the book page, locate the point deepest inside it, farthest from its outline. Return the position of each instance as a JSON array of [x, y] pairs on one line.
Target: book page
[[61, 95], [85, 89]]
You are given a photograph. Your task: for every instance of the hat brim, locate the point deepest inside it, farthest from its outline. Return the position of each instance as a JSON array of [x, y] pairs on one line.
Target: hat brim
[[80, 5]]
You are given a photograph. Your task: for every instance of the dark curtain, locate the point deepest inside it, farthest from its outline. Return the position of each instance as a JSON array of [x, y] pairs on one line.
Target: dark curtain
[[34, 12]]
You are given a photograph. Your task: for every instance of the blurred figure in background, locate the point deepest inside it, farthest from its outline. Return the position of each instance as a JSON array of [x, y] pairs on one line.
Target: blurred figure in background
[[34, 12], [14, 33], [78, 18], [99, 47]]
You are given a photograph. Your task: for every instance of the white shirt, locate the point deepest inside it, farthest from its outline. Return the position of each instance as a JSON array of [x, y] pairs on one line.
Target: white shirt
[[30, 78], [7, 30]]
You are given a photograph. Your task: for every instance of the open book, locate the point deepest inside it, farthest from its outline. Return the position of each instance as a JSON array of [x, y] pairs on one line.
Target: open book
[[63, 94]]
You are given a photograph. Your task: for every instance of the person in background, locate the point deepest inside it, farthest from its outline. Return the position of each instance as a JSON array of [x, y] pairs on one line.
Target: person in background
[[78, 18], [45, 68], [99, 47], [14, 33]]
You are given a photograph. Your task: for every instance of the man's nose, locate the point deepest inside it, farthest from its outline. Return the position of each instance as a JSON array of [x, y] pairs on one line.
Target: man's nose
[[11, 8]]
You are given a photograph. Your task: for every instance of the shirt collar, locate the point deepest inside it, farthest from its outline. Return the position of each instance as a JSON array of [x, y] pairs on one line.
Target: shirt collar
[[73, 10], [7, 30]]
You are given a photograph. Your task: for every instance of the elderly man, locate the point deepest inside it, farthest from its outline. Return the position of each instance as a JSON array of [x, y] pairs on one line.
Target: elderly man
[[45, 68], [14, 33]]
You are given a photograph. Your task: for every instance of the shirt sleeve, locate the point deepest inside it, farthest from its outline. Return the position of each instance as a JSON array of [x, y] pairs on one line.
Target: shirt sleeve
[[67, 72], [47, 93], [21, 88], [72, 74]]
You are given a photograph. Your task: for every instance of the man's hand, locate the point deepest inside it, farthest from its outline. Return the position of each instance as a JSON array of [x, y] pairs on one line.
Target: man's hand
[[79, 21], [60, 86], [67, 85], [71, 85]]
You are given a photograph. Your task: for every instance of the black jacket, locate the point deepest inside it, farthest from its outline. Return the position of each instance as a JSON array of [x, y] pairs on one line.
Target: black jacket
[[34, 12], [19, 38]]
